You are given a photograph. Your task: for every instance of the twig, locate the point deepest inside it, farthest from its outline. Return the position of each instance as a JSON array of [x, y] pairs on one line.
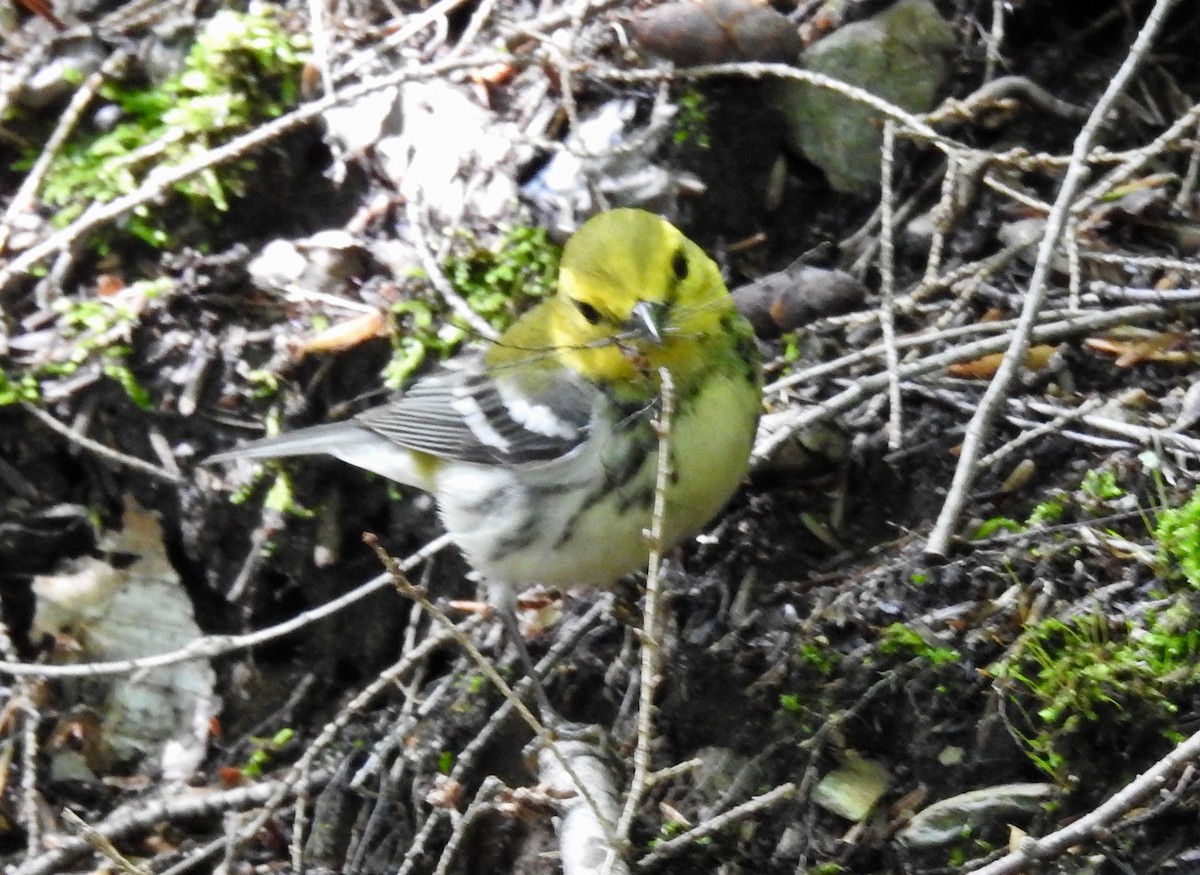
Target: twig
[[776, 430], [468, 757], [101, 844], [991, 92], [980, 425], [23, 199], [400, 581], [651, 668], [1187, 187], [1139, 433], [971, 272], [585, 847], [294, 778], [1138, 158], [479, 16], [666, 849], [1164, 297], [1152, 262], [164, 179], [320, 44], [211, 646], [30, 750], [1034, 434], [99, 449], [915, 125], [887, 285], [411, 26], [1086, 827], [22, 700], [1070, 238], [433, 271], [942, 214], [127, 821], [480, 804], [1021, 197], [396, 575], [995, 40]]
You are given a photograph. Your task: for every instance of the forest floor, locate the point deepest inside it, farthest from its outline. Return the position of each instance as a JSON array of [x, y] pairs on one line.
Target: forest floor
[[966, 560]]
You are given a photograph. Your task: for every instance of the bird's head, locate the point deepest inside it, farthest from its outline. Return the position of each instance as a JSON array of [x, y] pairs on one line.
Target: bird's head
[[634, 295]]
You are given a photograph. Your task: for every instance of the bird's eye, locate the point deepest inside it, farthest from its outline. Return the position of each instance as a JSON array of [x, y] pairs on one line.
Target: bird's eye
[[590, 313], [679, 264]]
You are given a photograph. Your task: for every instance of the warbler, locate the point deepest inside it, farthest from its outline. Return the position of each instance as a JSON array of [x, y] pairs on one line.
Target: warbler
[[541, 449]]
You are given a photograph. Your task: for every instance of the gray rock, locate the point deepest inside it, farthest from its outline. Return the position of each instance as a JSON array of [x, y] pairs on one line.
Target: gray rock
[[900, 55]]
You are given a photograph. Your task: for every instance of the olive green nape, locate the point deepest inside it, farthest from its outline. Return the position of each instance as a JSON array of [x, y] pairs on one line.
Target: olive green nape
[[613, 248], [642, 232], [530, 340]]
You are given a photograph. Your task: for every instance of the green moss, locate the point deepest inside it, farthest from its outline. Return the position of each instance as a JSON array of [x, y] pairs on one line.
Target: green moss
[[265, 751], [1096, 491], [1071, 678], [691, 120], [124, 377], [905, 642], [18, 388], [244, 69], [1101, 486], [1178, 536], [996, 524], [498, 286], [820, 656], [827, 869], [99, 332], [1049, 511]]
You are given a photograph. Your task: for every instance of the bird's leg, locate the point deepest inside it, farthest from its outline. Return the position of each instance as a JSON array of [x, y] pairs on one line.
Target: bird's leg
[[504, 599]]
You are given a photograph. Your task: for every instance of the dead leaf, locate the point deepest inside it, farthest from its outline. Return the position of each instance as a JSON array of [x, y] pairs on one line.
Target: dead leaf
[[125, 610], [1159, 348], [984, 368], [346, 335]]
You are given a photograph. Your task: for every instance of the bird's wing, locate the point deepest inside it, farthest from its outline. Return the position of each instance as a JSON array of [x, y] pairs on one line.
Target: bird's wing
[[498, 415]]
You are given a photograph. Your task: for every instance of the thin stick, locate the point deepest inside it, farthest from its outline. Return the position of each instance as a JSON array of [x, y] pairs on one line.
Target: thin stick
[[128, 820], [23, 700], [942, 215], [398, 579], [776, 432], [211, 646], [162, 180], [651, 633], [1034, 434], [101, 844], [23, 200], [887, 284], [980, 426], [433, 271], [995, 40], [712, 826], [1099, 818], [99, 449]]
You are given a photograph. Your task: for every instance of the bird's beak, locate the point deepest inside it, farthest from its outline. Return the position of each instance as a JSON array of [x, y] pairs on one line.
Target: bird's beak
[[645, 321]]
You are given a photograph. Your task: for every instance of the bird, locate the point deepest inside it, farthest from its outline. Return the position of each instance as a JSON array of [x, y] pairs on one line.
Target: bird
[[541, 447]]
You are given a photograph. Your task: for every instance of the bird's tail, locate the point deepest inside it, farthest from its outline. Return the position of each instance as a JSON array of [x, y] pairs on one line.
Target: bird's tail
[[329, 438], [349, 441]]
